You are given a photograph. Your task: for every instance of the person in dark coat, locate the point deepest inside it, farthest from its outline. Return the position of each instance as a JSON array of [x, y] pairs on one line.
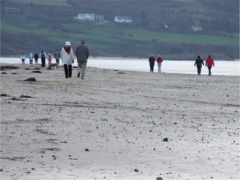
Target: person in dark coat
[[82, 54], [36, 57], [151, 63], [199, 62]]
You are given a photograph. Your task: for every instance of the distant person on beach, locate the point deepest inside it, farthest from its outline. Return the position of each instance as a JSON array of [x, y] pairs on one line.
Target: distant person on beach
[[209, 63], [23, 58], [159, 61], [49, 58], [67, 57], [199, 63], [36, 57], [43, 58], [31, 58], [151, 63], [82, 54], [57, 56]]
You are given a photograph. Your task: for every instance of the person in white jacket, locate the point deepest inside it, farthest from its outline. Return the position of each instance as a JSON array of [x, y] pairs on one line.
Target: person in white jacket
[[67, 57]]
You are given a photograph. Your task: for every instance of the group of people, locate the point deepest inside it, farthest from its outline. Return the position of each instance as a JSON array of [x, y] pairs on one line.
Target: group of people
[[199, 63], [209, 63], [152, 63], [66, 55], [43, 57]]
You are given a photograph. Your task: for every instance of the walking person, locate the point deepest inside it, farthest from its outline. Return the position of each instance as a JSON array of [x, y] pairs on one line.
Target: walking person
[[43, 58], [23, 58], [31, 58], [49, 58], [151, 63], [36, 57], [199, 62], [209, 63], [82, 54], [159, 61], [57, 56], [67, 57]]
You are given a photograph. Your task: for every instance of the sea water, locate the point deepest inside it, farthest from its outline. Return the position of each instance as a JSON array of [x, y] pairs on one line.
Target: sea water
[[228, 68]]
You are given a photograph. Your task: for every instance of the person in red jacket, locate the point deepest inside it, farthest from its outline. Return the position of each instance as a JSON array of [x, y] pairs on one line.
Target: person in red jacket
[[209, 63], [159, 61]]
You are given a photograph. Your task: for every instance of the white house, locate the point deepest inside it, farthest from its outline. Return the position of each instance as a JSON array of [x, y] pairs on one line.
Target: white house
[[123, 19], [89, 17], [197, 28]]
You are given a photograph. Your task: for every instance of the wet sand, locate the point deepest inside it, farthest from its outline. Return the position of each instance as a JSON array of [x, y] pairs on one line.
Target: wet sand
[[118, 125]]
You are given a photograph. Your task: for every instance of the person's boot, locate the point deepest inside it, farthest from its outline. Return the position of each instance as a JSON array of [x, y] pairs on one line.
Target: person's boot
[[78, 75]]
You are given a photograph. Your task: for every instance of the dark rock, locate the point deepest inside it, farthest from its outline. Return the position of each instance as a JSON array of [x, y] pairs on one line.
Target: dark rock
[[8, 67], [136, 170], [36, 71], [30, 79], [4, 73], [87, 150], [165, 139], [13, 73], [159, 178], [121, 73], [23, 96], [5, 95]]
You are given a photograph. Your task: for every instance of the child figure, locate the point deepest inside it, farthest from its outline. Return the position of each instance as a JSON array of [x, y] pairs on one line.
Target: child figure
[[31, 58], [23, 58], [49, 58]]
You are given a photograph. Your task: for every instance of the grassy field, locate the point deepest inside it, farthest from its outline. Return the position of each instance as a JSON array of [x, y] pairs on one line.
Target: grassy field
[[145, 35], [117, 35]]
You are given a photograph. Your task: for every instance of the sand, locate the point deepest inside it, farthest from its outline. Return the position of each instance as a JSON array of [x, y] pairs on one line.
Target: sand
[[118, 125]]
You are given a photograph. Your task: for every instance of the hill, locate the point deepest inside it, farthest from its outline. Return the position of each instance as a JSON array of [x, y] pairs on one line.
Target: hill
[[164, 27]]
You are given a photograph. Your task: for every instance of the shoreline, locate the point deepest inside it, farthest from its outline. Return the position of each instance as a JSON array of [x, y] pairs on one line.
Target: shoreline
[[114, 125], [137, 70]]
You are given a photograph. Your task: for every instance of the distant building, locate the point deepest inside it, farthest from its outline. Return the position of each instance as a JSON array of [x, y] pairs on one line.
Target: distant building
[[197, 28], [89, 17], [123, 19], [11, 10]]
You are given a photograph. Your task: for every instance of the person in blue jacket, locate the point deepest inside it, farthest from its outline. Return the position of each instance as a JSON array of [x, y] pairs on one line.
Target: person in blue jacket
[[43, 58]]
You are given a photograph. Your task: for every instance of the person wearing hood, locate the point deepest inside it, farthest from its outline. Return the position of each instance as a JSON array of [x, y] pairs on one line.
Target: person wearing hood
[[209, 63], [67, 57], [151, 63], [199, 62]]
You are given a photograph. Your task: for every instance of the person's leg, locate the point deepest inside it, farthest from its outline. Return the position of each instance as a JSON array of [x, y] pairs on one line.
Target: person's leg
[[42, 62], [160, 67], [70, 71], [209, 71], [79, 69], [84, 66], [66, 70], [198, 70], [151, 68]]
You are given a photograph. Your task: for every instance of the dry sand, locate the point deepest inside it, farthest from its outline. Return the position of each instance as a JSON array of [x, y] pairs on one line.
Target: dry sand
[[112, 125]]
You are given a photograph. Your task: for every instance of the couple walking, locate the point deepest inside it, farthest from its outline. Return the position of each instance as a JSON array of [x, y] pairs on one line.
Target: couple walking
[[152, 63], [67, 56], [209, 63]]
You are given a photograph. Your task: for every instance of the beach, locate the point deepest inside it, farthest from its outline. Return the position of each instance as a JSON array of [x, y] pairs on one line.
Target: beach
[[118, 124]]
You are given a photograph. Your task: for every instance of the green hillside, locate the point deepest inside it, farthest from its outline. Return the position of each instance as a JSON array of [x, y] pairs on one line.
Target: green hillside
[[48, 24]]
